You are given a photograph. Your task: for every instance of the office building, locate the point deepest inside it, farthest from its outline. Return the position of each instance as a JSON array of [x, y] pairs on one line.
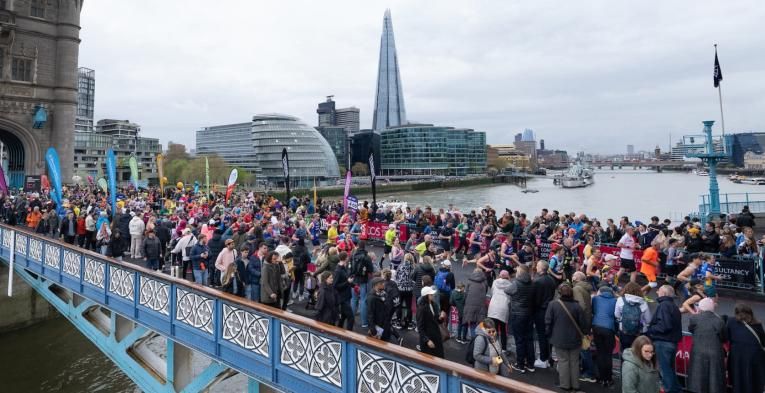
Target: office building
[[122, 136], [630, 150], [348, 118], [740, 144], [310, 156], [337, 138], [389, 108], [696, 144], [361, 143], [428, 150], [86, 98], [326, 112], [513, 157], [39, 47], [231, 142]]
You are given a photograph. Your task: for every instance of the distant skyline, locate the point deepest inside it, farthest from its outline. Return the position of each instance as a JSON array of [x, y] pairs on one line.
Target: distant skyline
[[592, 77]]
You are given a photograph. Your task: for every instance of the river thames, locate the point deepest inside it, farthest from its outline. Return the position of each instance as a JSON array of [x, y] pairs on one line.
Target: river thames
[[54, 356]]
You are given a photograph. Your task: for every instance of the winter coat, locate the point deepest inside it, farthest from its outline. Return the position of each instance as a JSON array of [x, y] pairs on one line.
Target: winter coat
[[377, 311], [116, 248], [638, 377], [421, 270], [342, 286], [499, 305], [136, 226], [707, 370], [475, 298], [543, 291], [163, 233], [151, 249], [645, 312], [301, 258], [216, 245], [457, 299], [485, 350], [361, 263], [746, 363], [404, 277], [520, 292], [196, 256], [559, 328], [666, 324], [327, 304], [270, 283], [428, 330], [603, 307], [124, 226], [582, 296], [253, 270]]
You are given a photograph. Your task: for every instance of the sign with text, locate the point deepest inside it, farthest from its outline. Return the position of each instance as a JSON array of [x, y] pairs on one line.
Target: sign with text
[[32, 184]]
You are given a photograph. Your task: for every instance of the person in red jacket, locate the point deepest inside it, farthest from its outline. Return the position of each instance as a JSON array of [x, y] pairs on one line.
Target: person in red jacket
[[81, 230]]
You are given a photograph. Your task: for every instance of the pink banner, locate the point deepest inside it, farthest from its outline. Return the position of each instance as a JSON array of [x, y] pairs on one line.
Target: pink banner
[[347, 188]]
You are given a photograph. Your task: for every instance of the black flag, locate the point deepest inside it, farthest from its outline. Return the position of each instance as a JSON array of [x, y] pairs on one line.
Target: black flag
[[286, 170], [718, 71], [373, 176]]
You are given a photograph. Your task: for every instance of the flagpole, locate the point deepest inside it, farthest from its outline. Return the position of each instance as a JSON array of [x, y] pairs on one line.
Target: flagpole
[[719, 96]]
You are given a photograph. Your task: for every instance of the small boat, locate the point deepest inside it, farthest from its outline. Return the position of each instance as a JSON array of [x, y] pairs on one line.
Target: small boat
[[577, 176], [753, 180], [529, 190], [735, 178], [702, 173]]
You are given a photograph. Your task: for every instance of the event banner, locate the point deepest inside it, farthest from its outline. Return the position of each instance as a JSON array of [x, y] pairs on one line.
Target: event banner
[[133, 163], [111, 173], [54, 172]]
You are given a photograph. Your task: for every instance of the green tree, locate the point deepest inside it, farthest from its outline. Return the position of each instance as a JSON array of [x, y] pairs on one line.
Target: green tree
[[360, 169]]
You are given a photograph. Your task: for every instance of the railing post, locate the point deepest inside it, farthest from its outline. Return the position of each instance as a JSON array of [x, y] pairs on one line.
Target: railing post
[[747, 198], [762, 284]]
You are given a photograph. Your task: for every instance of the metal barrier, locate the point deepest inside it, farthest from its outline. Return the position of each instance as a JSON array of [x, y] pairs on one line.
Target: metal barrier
[[290, 352], [732, 203]]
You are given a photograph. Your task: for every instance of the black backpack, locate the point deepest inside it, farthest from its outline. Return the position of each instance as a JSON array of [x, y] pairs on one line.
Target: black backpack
[[359, 264], [469, 354]]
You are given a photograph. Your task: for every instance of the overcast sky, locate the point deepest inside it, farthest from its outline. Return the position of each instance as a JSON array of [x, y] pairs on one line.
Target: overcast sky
[[591, 76]]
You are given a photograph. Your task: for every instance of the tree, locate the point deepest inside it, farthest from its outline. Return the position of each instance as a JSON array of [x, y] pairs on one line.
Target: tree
[[176, 151], [360, 169]]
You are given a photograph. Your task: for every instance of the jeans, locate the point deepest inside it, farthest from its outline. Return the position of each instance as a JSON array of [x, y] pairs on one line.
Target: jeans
[[544, 345], [404, 312], [665, 354], [362, 299], [524, 340], [588, 365], [152, 263], [462, 331], [200, 276], [252, 292]]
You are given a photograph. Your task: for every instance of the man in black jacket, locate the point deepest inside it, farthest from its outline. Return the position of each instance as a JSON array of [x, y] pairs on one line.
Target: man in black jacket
[[666, 331], [216, 245], [343, 285], [163, 234], [542, 293], [361, 269], [151, 250], [522, 319], [379, 323]]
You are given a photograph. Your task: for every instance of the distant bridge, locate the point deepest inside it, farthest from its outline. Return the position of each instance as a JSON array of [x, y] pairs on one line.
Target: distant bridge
[[120, 306], [657, 165]]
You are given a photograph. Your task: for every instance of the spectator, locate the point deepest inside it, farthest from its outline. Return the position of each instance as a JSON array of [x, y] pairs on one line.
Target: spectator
[[343, 283], [427, 325], [520, 292], [475, 299], [327, 304], [563, 321], [199, 260], [406, 286], [582, 294], [639, 373], [632, 313], [270, 281], [542, 293], [486, 352], [499, 308], [746, 363], [151, 250], [707, 370], [604, 329], [457, 300], [666, 331]]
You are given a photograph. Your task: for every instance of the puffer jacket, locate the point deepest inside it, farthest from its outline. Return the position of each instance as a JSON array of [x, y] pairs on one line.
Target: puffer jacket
[[520, 293], [484, 351], [421, 270], [136, 226], [216, 245], [499, 305], [637, 377]]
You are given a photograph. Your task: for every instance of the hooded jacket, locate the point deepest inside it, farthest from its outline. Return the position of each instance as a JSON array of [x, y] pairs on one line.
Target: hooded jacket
[[543, 291], [342, 286], [520, 292], [475, 298], [327, 304], [603, 307], [136, 226], [638, 377], [484, 351]]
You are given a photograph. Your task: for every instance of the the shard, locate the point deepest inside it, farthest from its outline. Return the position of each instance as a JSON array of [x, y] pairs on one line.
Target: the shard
[[389, 101]]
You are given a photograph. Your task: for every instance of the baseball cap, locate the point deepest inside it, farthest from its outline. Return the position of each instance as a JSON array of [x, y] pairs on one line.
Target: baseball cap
[[427, 291], [610, 257], [446, 263]]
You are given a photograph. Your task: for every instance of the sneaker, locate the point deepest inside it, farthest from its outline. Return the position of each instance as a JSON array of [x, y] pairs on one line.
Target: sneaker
[[518, 368], [587, 379], [530, 369], [540, 364], [417, 347], [401, 341], [365, 326], [410, 327]]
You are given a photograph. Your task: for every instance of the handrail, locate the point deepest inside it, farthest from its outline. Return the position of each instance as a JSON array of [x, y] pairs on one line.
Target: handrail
[[396, 351]]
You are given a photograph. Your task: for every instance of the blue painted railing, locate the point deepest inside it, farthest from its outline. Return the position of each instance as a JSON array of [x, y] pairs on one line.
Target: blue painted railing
[[732, 203], [281, 349]]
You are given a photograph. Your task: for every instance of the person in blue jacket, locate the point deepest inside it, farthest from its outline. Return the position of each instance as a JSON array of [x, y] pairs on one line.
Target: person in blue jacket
[[604, 329]]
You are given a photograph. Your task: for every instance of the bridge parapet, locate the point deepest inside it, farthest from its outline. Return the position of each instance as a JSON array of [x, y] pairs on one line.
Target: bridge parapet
[[283, 350]]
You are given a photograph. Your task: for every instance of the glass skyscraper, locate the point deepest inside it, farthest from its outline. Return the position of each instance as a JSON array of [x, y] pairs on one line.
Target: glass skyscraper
[[389, 102], [231, 142]]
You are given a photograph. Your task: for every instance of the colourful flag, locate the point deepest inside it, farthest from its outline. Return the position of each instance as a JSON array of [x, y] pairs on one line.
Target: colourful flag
[[102, 184], [133, 163], [314, 194], [231, 183], [3, 183], [54, 171], [207, 176], [161, 172], [111, 171]]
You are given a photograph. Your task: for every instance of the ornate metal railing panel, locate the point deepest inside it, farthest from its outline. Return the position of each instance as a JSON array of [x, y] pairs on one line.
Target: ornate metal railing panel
[[284, 350]]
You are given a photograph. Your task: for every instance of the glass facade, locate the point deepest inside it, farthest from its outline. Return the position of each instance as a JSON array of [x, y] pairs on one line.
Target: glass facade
[[389, 100], [231, 142], [86, 97], [310, 155], [337, 137], [739, 144], [424, 149]]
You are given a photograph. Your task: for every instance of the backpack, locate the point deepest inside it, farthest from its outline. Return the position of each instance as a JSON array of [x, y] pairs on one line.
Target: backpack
[[359, 264], [631, 318], [469, 354], [441, 283]]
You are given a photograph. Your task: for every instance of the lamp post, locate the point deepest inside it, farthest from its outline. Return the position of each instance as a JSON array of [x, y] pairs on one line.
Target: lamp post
[[711, 158]]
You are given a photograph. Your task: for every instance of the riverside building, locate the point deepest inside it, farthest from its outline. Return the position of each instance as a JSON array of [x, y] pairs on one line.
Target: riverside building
[[428, 150]]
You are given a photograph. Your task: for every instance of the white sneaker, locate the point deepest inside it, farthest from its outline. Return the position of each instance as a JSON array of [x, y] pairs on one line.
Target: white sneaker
[[540, 364]]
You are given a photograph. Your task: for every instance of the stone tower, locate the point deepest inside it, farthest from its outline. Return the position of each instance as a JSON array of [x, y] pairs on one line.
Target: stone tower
[[39, 47]]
